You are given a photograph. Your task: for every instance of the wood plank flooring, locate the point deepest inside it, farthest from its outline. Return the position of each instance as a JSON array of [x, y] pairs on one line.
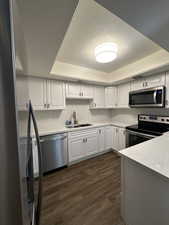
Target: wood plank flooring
[[87, 193]]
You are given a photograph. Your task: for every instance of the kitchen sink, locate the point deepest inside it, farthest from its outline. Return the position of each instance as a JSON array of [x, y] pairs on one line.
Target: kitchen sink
[[80, 125]]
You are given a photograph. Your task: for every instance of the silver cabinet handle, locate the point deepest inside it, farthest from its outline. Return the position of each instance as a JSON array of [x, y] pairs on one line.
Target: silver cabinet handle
[[48, 105], [100, 131]]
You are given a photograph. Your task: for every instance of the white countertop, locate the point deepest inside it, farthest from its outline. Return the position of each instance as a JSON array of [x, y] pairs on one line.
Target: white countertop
[[153, 154], [94, 125]]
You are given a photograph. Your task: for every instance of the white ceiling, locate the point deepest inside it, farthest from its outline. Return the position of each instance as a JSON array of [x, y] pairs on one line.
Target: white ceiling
[[39, 28], [92, 25]]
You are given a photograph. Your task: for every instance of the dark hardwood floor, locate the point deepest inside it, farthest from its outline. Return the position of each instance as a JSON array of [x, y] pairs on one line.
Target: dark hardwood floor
[[87, 193]]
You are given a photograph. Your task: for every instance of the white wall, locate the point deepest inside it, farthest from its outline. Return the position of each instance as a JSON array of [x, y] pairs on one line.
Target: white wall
[[130, 115], [51, 120]]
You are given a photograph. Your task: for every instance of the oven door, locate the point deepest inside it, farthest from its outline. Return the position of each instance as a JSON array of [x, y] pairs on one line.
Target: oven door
[[134, 138], [151, 97]]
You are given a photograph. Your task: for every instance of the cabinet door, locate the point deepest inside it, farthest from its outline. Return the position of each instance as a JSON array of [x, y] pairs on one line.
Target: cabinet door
[[121, 138], [101, 141], [56, 94], [22, 92], [110, 97], [37, 93], [138, 84], [87, 91], [123, 95], [99, 97], [76, 149], [108, 137], [73, 90], [155, 80], [115, 134], [91, 144]]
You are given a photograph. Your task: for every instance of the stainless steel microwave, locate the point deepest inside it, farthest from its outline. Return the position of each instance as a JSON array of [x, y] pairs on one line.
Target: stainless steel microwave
[[150, 97]]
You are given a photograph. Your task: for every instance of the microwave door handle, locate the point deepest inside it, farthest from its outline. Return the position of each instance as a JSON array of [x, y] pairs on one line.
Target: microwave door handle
[[155, 97], [39, 200]]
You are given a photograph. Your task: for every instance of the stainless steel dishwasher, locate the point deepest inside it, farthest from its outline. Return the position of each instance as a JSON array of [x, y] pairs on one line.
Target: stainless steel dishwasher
[[54, 151]]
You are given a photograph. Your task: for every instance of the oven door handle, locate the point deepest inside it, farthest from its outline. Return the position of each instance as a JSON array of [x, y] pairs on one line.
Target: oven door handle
[[149, 136]]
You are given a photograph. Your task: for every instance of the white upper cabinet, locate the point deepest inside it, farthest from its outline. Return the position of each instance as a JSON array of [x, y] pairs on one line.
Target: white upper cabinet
[[87, 91], [148, 82], [110, 97], [44, 94], [74, 90], [123, 95], [37, 93], [55, 94], [99, 97], [155, 80], [138, 84], [22, 92]]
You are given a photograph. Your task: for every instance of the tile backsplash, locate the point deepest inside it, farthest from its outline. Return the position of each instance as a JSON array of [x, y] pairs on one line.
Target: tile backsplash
[[50, 120], [130, 115]]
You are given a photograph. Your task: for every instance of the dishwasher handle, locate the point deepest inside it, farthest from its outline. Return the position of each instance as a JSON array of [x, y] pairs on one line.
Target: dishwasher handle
[[53, 138]]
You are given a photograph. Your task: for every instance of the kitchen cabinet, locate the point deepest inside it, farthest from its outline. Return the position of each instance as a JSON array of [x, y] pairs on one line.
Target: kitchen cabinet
[[101, 139], [110, 97], [87, 91], [91, 144], [123, 95], [82, 144], [148, 82], [108, 137], [115, 138], [82, 91], [22, 94], [44, 94], [76, 149], [55, 94], [119, 138], [98, 98], [37, 93], [137, 84]]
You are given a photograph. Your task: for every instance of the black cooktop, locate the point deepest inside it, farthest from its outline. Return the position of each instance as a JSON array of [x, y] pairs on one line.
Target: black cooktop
[[154, 132], [153, 125]]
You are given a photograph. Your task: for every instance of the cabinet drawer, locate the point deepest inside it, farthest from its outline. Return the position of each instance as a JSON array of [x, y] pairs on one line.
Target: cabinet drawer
[[82, 133]]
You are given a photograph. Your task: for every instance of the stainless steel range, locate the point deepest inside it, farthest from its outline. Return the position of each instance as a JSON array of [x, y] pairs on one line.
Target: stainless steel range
[[148, 127]]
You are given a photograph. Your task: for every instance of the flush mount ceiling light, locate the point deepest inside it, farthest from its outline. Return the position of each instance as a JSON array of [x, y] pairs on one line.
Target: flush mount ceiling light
[[106, 52]]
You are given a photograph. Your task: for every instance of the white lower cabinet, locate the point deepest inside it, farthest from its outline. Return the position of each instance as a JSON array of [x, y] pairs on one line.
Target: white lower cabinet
[[82, 144], [108, 137], [101, 139], [76, 149], [119, 138]]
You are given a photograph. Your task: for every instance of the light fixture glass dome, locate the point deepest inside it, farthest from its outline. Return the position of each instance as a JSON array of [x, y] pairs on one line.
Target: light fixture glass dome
[[106, 52]]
